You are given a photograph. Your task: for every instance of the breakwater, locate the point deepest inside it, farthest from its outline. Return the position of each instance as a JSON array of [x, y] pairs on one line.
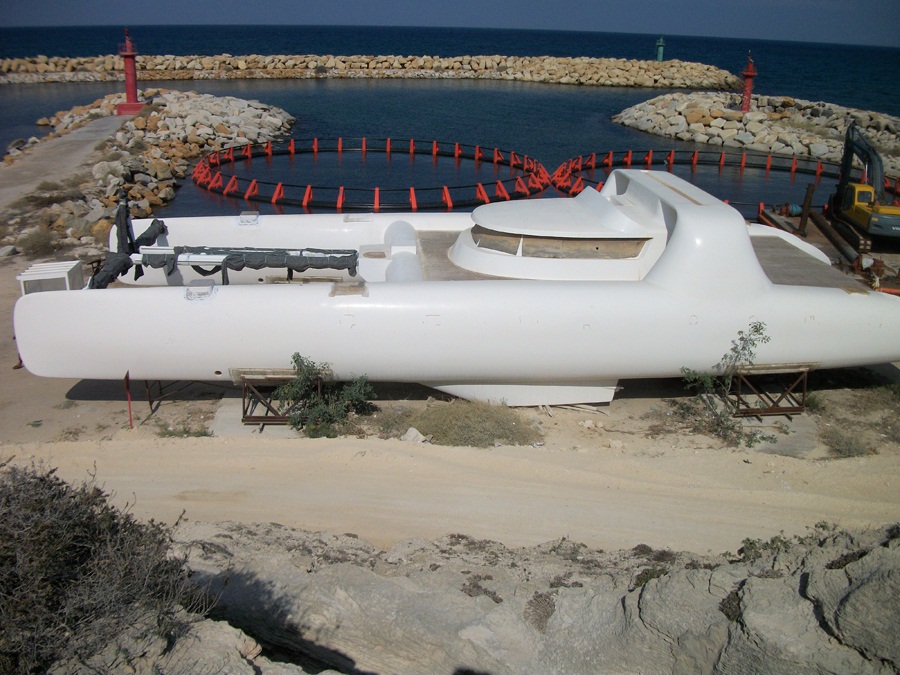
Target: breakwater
[[610, 72], [774, 125]]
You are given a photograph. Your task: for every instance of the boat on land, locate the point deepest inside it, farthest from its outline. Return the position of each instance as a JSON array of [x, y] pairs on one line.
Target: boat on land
[[546, 301]]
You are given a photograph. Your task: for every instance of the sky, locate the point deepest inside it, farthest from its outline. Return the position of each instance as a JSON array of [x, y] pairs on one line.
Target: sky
[[867, 22]]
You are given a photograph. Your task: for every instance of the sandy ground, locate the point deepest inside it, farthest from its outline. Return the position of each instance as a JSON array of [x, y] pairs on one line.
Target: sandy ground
[[598, 478]]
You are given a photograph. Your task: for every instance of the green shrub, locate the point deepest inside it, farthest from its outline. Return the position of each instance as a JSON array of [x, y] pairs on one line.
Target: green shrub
[[76, 572], [317, 406]]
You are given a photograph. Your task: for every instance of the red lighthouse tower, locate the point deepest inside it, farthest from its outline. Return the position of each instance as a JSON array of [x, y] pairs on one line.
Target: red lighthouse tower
[[128, 52], [748, 74]]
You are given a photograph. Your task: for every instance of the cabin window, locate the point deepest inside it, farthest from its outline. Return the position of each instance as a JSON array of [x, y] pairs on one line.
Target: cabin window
[[557, 247]]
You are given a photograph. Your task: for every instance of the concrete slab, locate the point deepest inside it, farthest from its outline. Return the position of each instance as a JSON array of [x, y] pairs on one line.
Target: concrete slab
[[55, 159], [227, 424]]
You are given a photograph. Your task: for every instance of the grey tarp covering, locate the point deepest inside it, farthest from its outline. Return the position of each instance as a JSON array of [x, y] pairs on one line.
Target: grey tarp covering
[[257, 259]]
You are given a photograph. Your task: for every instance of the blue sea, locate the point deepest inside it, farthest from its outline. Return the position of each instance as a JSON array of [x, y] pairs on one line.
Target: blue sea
[[548, 122]]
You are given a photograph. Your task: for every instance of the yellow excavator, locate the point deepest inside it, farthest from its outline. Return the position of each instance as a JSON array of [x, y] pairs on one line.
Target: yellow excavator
[[863, 204]]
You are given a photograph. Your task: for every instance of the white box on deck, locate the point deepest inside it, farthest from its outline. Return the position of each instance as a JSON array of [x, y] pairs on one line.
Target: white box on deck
[[55, 276]]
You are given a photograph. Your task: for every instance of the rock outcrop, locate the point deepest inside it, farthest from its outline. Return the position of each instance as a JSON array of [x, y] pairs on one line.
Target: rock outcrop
[[608, 72], [823, 603], [774, 124]]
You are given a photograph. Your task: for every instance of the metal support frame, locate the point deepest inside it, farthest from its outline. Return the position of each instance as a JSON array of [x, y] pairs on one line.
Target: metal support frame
[[759, 401], [258, 391]]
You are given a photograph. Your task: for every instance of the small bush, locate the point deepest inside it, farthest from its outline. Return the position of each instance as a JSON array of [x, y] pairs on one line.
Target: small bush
[[319, 407], [844, 444], [38, 242], [475, 424], [75, 572]]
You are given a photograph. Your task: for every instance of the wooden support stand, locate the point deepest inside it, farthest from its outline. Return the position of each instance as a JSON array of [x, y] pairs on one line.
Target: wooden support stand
[[762, 391]]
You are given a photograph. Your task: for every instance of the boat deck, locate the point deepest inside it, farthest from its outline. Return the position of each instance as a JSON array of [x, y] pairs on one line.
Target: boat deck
[[787, 265], [783, 263]]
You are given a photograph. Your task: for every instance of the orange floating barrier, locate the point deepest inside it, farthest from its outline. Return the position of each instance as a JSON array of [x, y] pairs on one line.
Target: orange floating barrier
[[592, 160], [252, 191], [278, 194], [481, 194], [648, 158], [794, 166], [578, 186], [364, 145], [514, 159], [721, 161], [457, 151], [608, 160], [600, 186], [768, 163], [216, 182], [340, 147], [498, 157], [500, 191], [387, 146], [412, 199], [434, 148], [377, 200], [478, 154], [694, 157], [291, 147], [229, 154], [268, 149], [340, 199], [247, 152], [412, 147], [670, 159], [445, 197], [627, 160], [307, 196], [213, 158], [521, 187], [315, 146], [231, 187], [743, 160]]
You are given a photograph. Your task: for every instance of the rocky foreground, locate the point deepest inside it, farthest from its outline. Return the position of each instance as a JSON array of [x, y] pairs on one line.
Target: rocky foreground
[[606, 72], [822, 603], [778, 125]]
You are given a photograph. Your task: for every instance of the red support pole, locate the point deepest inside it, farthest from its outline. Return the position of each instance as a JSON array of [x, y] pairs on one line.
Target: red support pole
[[434, 148], [340, 145], [315, 146], [377, 200], [627, 160], [721, 161], [387, 146], [364, 146], [291, 147], [412, 147], [694, 157]]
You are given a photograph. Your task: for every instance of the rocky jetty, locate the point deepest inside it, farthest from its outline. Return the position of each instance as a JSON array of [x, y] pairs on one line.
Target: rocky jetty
[[774, 124], [144, 161], [821, 603], [607, 72]]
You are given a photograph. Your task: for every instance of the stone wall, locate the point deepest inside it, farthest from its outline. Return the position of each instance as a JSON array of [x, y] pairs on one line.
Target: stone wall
[[774, 124], [561, 70]]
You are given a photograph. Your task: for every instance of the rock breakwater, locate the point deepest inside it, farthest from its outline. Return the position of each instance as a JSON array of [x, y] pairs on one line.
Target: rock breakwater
[[143, 162], [774, 124], [673, 74]]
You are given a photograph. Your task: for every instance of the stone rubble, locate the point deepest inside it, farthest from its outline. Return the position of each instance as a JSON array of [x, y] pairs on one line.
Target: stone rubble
[[609, 72], [145, 160], [774, 124]]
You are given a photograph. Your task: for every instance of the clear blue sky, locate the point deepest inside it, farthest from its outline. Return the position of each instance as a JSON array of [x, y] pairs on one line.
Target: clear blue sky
[[873, 22]]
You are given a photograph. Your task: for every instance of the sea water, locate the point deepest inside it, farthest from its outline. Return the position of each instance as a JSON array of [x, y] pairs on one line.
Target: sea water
[[551, 123]]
